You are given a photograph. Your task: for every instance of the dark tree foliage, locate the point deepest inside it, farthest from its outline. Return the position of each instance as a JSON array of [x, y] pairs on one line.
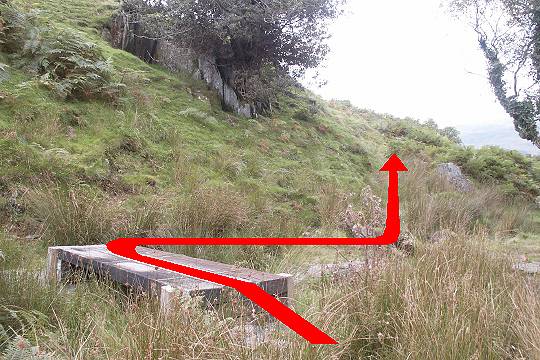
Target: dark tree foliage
[[509, 36], [451, 133], [251, 40]]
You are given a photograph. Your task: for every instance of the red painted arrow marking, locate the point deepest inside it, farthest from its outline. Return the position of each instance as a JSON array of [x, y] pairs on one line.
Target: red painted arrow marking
[[127, 248]]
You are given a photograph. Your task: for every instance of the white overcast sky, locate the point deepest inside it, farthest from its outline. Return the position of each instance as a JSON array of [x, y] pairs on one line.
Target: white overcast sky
[[410, 58]]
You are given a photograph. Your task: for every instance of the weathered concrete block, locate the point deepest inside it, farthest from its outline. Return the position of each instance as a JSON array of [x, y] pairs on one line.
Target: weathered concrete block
[[165, 284]]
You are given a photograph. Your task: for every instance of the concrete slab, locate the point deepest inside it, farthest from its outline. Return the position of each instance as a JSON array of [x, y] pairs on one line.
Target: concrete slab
[[165, 284], [530, 268]]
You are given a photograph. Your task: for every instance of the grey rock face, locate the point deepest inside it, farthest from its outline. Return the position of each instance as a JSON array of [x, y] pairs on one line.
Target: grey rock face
[[453, 174], [128, 35], [210, 73]]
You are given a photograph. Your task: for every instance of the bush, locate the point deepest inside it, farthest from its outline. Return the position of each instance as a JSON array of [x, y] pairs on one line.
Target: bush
[[427, 134], [248, 47], [514, 171], [451, 133], [66, 62]]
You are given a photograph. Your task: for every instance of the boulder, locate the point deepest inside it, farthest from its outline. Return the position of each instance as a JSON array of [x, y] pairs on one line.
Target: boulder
[[453, 174], [210, 73]]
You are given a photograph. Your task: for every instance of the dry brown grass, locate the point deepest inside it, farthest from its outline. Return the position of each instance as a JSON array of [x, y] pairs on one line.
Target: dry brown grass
[[331, 206], [210, 212], [453, 300], [71, 217], [431, 204]]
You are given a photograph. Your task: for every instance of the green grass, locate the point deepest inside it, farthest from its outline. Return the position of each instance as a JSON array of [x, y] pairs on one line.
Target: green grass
[[161, 135], [161, 162], [158, 141]]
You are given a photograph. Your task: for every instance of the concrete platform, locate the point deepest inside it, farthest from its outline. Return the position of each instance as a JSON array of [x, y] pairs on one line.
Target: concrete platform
[[165, 284], [530, 268]]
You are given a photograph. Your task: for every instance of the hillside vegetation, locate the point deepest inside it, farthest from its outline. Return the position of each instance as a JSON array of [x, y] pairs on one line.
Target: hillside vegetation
[[96, 144]]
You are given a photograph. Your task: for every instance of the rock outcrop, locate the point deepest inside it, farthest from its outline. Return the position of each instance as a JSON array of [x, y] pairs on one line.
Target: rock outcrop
[[209, 72], [128, 35], [453, 174]]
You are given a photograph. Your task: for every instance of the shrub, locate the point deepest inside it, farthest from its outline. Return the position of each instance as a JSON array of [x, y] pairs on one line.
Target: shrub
[[451, 133], [515, 174], [64, 60], [249, 49], [511, 169]]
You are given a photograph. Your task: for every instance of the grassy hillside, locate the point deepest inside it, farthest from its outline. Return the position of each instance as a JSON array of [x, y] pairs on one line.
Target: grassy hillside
[[141, 151], [158, 136]]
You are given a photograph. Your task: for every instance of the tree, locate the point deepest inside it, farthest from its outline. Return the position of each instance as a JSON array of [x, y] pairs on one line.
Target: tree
[[451, 133], [509, 36], [252, 41]]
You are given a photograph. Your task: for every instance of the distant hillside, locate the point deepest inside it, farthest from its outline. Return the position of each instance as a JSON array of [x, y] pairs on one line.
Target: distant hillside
[[502, 135]]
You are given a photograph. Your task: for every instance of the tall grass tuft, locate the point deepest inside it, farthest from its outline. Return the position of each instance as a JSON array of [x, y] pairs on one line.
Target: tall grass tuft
[[332, 206], [453, 300], [71, 217], [209, 212]]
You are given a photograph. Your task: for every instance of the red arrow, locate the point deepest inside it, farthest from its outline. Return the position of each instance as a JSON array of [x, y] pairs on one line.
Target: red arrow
[[126, 247]]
